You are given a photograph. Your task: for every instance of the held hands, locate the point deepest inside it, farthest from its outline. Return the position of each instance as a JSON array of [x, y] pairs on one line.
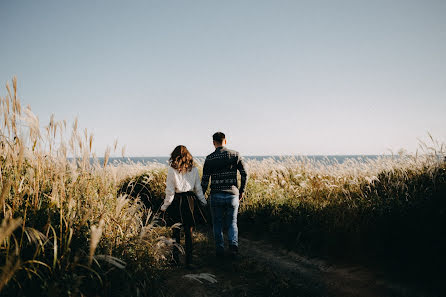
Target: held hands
[[203, 203]]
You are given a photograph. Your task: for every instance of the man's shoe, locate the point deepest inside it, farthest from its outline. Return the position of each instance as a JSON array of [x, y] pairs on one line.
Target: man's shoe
[[220, 254], [233, 250]]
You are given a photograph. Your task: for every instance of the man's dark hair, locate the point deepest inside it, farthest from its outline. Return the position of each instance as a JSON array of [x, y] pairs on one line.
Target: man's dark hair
[[218, 137]]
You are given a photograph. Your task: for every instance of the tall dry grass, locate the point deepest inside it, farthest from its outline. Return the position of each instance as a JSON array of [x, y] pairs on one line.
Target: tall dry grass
[[68, 225], [388, 211], [64, 230]]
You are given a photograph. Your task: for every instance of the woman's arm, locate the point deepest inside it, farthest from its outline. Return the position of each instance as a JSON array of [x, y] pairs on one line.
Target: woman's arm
[[170, 189], [197, 188]]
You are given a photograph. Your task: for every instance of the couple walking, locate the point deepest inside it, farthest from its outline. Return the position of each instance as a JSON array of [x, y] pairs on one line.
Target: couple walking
[[184, 190]]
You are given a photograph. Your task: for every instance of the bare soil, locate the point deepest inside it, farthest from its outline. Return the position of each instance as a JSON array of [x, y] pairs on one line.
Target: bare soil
[[263, 269]]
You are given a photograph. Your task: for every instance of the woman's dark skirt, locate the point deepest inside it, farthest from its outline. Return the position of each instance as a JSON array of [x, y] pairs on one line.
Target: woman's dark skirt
[[185, 209]]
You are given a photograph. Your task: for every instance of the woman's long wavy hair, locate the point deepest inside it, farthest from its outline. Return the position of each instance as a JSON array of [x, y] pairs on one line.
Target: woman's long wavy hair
[[181, 159]]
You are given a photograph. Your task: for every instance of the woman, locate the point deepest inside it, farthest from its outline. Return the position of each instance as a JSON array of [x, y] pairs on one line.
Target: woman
[[182, 190]]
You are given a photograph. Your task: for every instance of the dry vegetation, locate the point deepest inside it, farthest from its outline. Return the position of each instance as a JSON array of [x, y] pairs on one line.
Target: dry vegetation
[[68, 226], [64, 229]]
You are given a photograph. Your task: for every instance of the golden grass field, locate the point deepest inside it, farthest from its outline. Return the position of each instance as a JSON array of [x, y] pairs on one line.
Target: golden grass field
[[67, 229]]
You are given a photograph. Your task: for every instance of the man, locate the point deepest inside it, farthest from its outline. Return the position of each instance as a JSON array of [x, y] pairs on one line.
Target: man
[[221, 167]]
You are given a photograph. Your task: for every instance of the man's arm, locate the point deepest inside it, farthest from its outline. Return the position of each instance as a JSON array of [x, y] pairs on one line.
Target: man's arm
[[205, 177], [243, 173]]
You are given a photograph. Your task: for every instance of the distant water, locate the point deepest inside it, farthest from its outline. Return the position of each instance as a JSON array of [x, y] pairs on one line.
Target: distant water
[[164, 160]]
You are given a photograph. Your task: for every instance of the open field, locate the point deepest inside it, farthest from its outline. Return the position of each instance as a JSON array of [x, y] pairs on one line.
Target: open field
[[69, 227], [387, 214]]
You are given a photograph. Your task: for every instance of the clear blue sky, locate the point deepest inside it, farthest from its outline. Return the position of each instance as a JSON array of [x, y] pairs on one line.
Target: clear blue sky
[[278, 77]]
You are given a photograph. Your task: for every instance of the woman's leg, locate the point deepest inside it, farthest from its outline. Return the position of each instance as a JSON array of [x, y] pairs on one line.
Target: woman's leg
[[176, 232], [188, 238]]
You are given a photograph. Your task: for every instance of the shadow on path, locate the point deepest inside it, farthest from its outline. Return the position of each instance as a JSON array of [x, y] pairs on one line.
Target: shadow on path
[[266, 270], [331, 280]]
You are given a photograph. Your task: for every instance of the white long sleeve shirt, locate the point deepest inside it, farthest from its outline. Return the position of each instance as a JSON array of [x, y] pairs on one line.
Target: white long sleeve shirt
[[182, 182]]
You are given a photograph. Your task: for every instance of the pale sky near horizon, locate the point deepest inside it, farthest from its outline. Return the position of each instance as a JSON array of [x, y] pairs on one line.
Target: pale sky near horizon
[[278, 77]]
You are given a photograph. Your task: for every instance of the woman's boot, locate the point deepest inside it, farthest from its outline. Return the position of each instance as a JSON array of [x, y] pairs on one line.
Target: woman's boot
[[188, 239]]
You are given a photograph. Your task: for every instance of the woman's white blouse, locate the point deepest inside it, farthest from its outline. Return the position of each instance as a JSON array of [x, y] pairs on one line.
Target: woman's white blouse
[[182, 182]]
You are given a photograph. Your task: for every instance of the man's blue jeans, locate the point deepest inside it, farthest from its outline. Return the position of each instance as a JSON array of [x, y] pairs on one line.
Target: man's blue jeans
[[224, 209]]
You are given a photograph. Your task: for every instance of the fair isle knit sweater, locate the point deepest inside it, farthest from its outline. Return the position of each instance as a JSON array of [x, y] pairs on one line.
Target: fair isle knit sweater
[[221, 167]]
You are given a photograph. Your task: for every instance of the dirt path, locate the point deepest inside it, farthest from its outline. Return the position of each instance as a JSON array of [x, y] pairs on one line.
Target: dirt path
[[266, 270], [331, 280]]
